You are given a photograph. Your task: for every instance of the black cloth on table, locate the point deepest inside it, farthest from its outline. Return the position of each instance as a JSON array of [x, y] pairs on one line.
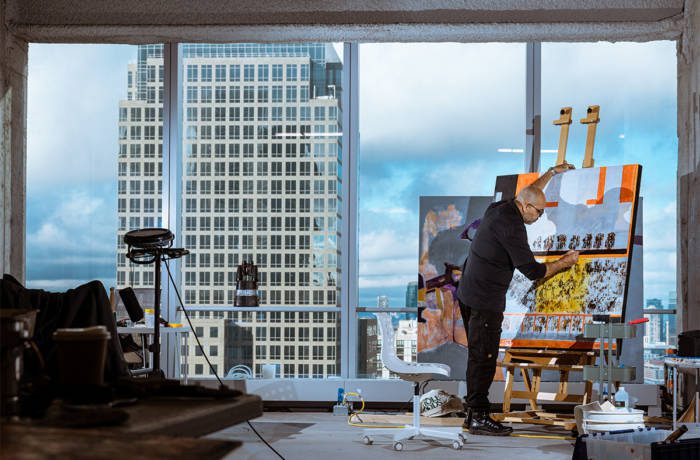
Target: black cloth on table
[[85, 306]]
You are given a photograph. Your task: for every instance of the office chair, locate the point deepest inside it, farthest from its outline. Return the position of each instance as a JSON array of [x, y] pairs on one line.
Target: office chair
[[416, 373]]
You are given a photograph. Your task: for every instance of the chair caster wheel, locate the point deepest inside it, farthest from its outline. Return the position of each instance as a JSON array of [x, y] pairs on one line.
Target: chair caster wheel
[[398, 446], [367, 440], [456, 445]]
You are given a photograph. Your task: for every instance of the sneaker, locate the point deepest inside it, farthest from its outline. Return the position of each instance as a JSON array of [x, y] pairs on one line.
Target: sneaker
[[481, 423], [467, 420]]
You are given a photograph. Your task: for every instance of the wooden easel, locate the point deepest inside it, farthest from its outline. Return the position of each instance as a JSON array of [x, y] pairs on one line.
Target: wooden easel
[[531, 362]]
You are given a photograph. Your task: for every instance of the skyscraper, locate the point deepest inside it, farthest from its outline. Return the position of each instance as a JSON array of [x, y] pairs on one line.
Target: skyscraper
[[654, 330], [671, 329], [412, 294], [261, 182]]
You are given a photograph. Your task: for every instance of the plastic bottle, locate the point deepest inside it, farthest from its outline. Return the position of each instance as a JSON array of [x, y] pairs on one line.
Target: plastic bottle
[[622, 398], [341, 395]]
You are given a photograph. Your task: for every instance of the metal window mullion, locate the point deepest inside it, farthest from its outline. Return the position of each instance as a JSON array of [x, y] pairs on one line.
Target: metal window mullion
[[349, 255], [533, 110], [172, 168]]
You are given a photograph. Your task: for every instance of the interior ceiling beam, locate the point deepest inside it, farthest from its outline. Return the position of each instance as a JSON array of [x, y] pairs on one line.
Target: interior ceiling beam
[[357, 12], [148, 21]]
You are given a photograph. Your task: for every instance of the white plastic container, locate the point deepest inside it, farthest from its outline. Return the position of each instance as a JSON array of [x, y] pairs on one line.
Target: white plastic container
[[620, 419], [622, 399], [148, 317]]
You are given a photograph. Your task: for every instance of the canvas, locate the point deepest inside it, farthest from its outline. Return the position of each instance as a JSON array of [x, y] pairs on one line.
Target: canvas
[[446, 225], [591, 210]]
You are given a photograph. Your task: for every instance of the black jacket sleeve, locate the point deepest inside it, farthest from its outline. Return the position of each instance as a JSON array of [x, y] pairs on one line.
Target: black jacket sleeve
[[514, 240]]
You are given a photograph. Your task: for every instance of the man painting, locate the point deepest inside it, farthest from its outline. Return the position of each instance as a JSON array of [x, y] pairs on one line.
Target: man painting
[[499, 247]]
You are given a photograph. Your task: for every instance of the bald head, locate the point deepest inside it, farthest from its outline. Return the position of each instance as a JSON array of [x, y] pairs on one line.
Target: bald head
[[531, 203], [531, 195]]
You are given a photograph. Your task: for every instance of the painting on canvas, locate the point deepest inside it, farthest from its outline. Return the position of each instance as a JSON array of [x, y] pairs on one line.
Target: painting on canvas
[[590, 210]]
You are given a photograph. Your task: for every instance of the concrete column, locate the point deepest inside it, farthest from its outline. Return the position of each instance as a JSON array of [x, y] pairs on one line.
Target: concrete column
[[13, 149], [688, 252], [688, 179]]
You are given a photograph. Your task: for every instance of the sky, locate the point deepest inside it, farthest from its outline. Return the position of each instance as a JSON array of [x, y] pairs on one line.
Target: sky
[[432, 118]]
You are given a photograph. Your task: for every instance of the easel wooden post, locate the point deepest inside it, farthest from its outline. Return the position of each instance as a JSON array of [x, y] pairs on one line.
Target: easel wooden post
[[531, 362], [591, 120], [564, 122]]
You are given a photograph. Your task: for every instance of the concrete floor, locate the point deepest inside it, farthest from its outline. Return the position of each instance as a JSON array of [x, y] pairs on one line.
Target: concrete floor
[[313, 435]]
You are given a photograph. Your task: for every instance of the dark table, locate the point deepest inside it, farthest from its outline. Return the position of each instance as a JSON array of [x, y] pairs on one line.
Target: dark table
[[157, 428]]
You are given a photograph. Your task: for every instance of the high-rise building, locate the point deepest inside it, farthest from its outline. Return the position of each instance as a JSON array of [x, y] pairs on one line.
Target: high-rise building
[[654, 328], [261, 162], [369, 362], [412, 294], [672, 330]]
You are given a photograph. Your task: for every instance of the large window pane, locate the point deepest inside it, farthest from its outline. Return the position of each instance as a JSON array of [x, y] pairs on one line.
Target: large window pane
[[302, 344], [261, 163], [635, 86], [87, 140], [370, 340], [140, 165], [435, 119]]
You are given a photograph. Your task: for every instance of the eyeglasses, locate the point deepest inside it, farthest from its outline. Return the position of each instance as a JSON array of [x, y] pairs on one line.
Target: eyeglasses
[[539, 211]]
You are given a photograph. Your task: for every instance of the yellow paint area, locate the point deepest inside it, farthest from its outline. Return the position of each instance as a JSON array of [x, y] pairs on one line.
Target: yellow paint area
[[563, 292]]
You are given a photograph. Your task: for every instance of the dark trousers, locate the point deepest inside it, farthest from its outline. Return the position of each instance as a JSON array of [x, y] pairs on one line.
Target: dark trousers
[[483, 334]]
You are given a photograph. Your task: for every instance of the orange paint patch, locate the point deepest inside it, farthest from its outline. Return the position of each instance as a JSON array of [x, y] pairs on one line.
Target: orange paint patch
[[629, 183], [528, 179], [524, 180], [601, 188]]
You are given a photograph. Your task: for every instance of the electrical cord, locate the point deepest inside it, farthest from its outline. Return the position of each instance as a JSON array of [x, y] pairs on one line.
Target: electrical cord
[[182, 305], [199, 344], [357, 413], [239, 372]]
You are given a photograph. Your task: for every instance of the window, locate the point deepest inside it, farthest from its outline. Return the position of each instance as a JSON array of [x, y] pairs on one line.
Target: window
[[220, 72], [248, 72], [629, 139], [277, 72], [101, 202], [234, 72], [419, 130], [222, 207], [206, 73], [291, 72]]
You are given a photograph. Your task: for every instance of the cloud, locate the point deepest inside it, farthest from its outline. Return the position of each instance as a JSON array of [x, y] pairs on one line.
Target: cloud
[[72, 111], [386, 281], [387, 244], [414, 94], [71, 235]]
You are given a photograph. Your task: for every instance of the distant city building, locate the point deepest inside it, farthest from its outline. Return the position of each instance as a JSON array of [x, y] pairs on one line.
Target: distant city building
[[261, 167], [382, 301], [672, 329], [369, 363], [660, 334], [653, 334], [412, 294], [370, 341]]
